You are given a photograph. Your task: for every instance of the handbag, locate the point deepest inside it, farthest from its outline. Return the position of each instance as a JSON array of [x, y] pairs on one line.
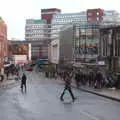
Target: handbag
[[66, 91]]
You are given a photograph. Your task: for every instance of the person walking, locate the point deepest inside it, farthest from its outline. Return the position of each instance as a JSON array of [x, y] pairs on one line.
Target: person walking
[[77, 79], [98, 79], [23, 82], [67, 79]]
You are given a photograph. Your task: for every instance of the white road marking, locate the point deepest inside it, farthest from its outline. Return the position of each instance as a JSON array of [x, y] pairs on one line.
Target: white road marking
[[89, 115]]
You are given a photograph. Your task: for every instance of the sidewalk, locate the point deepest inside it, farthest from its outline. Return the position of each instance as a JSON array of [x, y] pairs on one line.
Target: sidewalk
[[113, 94], [8, 83], [104, 92]]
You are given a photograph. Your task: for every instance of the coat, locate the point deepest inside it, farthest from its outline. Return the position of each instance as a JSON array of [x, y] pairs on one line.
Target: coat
[[24, 78]]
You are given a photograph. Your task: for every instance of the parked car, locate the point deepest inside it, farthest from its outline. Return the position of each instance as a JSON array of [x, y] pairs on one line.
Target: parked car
[[28, 68]]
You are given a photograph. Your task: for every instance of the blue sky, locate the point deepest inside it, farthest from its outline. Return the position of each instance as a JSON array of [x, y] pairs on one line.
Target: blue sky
[[15, 12]]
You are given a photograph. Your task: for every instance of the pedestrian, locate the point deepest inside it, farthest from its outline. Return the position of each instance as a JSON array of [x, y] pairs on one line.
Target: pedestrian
[[98, 80], [23, 82], [7, 74], [2, 79], [56, 74], [67, 79], [77, 79]]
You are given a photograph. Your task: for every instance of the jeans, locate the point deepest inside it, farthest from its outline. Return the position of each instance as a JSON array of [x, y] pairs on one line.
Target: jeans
[[70, 91]]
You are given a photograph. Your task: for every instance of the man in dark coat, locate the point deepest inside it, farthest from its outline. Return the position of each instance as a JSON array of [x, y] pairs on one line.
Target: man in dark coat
[[67, 79], [98, 79], [77, 79], [23, 82]]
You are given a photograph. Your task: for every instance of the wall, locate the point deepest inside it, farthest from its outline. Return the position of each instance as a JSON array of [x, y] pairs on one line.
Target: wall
[[55, 51], [3, 42], [66, 44]]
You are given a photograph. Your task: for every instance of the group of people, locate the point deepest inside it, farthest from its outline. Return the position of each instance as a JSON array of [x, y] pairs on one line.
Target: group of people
[[91, 78], [97, 79]]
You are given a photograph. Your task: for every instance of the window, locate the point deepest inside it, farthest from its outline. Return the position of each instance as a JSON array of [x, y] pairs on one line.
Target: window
[[98, 13], [98, 19], [89, 14]]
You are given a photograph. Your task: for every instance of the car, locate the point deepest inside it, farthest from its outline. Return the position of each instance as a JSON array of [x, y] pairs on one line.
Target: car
[[29, 69]]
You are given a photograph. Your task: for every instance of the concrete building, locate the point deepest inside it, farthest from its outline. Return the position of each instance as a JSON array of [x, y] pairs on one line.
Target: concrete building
[[54, 52], [61, 49], [111, 17], [34, 30], [85, 33], [110, 46], [35, 35], [47, 15], [3, 43], [66, 19]]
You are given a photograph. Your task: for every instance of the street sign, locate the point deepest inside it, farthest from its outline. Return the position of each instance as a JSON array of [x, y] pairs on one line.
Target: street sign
[[101, 62]]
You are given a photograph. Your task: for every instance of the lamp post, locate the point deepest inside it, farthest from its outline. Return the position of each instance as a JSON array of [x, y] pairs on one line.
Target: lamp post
[[110, 49]]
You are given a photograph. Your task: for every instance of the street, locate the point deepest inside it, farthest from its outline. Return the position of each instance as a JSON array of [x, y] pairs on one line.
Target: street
[[41, 102]]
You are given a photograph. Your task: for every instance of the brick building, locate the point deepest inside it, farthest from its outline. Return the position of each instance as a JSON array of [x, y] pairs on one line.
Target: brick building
[[3, 42]]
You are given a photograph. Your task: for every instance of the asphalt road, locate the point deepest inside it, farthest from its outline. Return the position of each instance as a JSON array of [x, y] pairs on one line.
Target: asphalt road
[[41, 102]]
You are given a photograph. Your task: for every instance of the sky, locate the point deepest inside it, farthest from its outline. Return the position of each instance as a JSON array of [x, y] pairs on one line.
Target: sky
[[15, 12]]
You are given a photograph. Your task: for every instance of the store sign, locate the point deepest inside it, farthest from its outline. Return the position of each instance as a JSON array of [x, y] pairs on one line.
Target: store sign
[[101, 62]]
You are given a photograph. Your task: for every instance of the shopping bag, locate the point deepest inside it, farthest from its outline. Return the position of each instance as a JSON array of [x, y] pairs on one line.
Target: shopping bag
[[66, 91]]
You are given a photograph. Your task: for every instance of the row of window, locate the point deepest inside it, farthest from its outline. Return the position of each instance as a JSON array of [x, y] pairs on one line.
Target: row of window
[[35, 32], [33, 39], [86, 50], [69, 20], [106, 47], [69, 16], [34, 26]]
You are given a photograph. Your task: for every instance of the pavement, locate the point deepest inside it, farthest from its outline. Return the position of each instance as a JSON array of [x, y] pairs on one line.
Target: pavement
[[41, 102], [9, 83], [110, 93], [113, 94]]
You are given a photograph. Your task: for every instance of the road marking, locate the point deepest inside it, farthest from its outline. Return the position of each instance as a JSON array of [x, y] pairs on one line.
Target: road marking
[[89, 115]]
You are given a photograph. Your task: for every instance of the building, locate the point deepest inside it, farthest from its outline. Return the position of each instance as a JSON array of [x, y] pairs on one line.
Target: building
[[61, 49], [39, 50], [3, 43], [34, 49], [34, 30], [21, 50], [95, 15], [35, 35], [66, 19], [110, 46], [110, 17], [54, 51], [85, 42], [86, 33], [47, 14]]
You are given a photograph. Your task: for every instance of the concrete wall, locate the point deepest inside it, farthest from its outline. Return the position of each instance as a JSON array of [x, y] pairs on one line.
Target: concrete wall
[[66, 43], [55, 51]]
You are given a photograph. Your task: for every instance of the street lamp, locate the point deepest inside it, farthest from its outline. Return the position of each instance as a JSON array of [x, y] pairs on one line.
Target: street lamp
[[110, 49]]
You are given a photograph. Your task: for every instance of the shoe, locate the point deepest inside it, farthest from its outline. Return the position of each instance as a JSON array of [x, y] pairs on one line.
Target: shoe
[[74, 99], [61, 99]]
